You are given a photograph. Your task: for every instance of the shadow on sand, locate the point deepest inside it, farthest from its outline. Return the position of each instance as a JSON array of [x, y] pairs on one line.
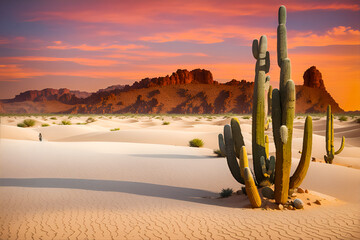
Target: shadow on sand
[[138, 188]]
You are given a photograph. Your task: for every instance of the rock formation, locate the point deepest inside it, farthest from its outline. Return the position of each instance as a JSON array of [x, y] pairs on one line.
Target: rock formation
[[181, 92], [313, 78]]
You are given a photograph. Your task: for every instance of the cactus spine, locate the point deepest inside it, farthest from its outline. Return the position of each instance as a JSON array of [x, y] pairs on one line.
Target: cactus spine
[[330, 152]]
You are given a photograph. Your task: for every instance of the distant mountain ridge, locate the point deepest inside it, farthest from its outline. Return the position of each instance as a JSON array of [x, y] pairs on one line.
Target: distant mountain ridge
[[181, 92]]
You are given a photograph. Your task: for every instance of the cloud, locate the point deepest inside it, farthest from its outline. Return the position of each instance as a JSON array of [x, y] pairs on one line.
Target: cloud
[[340, 35], [81, 61], [209, 35], [85, 47], [160, 11]]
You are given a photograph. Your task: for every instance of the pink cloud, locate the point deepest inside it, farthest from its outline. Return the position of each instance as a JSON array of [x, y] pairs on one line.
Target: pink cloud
[[149, 12], [85, 47], [81, 61], [336, 36], [210, 35]]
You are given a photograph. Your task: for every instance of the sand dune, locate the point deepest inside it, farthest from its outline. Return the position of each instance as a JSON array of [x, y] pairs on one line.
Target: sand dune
[[87, 182]]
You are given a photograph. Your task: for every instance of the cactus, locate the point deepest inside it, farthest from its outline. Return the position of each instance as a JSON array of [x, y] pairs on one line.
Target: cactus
[[270, 99], [267, 170], [260, 53], [250, 185], [231, 155], [251, 189], [330, 152], [283, 112], [221, 144]]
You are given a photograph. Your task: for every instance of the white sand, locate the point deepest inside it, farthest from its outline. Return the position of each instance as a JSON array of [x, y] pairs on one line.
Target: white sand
[[86, 182]]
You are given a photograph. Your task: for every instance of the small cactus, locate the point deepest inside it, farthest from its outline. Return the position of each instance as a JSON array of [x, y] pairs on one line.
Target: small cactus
[[221, 144], [330, 151]]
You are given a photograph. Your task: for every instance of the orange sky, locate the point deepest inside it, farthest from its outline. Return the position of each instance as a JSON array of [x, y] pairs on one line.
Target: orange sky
[[87, 45]]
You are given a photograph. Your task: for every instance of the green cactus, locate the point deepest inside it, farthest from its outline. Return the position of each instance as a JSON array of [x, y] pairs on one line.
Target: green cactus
[[270, 99], [262, 66], [330, 151], [221, 144], [267, 170], [231, 155], [283, 112]]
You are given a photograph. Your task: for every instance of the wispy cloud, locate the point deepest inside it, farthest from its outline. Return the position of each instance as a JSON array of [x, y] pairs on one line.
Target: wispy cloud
[[209, 35], [85, 47], [81, 61], [340, 35]]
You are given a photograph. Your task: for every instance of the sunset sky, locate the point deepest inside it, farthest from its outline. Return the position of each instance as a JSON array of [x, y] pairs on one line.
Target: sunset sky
[[87, 45]]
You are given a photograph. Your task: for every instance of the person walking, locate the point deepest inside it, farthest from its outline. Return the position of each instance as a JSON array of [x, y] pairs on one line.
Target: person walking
[[40, 137]]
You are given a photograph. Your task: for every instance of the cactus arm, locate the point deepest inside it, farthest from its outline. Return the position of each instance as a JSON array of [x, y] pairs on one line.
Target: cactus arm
[[267, 146], [281, 33], [341, 146], [221, 144], [270, 99], [230, 155], [237, 136], [255, 48], [267, 62], [304, 163], [251, 189], [244, 163]]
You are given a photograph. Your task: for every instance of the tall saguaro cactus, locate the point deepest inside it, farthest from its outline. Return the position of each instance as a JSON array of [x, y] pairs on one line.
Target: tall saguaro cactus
[[330, 151], [283, 112]]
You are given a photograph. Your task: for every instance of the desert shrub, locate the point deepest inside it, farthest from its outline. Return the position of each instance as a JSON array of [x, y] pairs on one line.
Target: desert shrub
[[53, 118], [165, 123], [357, 120], [196, 142], [226, 192], [21, 125], [81, 123], [115, 129], [90, 120], [343, 118], [29, 122], [246, 117], [45, 125], [65, 122], [219, 153]]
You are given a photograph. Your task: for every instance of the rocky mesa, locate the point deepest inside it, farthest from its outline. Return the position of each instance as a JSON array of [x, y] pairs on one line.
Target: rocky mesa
[[181, 92]]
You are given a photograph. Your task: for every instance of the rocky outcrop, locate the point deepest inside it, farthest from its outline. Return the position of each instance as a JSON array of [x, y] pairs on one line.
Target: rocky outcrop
[[179, 77], [111, 88], [63, 95], [182, 92], [313, 78]]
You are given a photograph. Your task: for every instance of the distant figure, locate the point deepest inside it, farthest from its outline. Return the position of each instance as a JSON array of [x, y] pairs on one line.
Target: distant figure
[[40, 137]]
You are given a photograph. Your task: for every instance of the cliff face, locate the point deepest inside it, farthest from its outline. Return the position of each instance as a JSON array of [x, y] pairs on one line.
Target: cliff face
[[179, 77], [182, 92], [63, 95], [313, 78]]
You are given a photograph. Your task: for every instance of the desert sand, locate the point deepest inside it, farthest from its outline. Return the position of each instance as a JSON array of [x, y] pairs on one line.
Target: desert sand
[[144, 182]]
